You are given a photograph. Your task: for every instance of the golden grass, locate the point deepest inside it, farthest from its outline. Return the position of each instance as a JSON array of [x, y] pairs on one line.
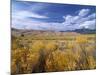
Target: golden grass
[[53, 55]]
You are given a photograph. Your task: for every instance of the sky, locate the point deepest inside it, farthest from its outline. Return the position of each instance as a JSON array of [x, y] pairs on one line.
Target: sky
[[52, 16]]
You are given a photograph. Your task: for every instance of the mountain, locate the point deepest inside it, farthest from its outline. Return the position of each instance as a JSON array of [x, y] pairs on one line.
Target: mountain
[[35, 32], [85, 31], [82, 31]]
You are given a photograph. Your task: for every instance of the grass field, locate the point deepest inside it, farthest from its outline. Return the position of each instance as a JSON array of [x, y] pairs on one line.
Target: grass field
[[52, 51]]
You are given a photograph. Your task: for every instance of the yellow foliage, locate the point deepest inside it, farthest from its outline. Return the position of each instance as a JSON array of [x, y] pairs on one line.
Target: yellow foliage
[[92, 62], [61, 61], [13, 67], [70, 45], [47, 55], [81, 39], [38, 45], [49, 47]]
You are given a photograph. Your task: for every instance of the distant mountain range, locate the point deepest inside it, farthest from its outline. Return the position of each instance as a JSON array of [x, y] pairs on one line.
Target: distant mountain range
[[85, 31], [82, 31]]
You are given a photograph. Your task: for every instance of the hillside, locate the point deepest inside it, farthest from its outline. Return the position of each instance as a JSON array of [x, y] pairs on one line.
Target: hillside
[[19, 32]]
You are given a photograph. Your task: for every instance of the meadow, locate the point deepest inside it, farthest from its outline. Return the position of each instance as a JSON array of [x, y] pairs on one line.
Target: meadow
[[52, 52]]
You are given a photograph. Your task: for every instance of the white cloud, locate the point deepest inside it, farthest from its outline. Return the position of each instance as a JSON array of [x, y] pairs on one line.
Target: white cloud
[[89, 24], [84, 12], [70, 20], [26, 14], [83, 19], [20, 20]]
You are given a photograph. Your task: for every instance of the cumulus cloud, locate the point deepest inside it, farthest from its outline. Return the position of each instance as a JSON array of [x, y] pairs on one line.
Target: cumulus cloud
[[26, 14], [89, 24], [82, 19], [84, 12]]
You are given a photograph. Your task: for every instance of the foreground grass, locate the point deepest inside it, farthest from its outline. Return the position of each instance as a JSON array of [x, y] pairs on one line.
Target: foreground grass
[[49, 54]]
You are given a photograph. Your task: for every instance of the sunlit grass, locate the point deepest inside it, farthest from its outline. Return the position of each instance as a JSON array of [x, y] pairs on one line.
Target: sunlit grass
[[62, 53]]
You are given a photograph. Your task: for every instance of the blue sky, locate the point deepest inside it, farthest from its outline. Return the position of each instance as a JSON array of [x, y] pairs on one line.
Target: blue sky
[[52, 16]]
